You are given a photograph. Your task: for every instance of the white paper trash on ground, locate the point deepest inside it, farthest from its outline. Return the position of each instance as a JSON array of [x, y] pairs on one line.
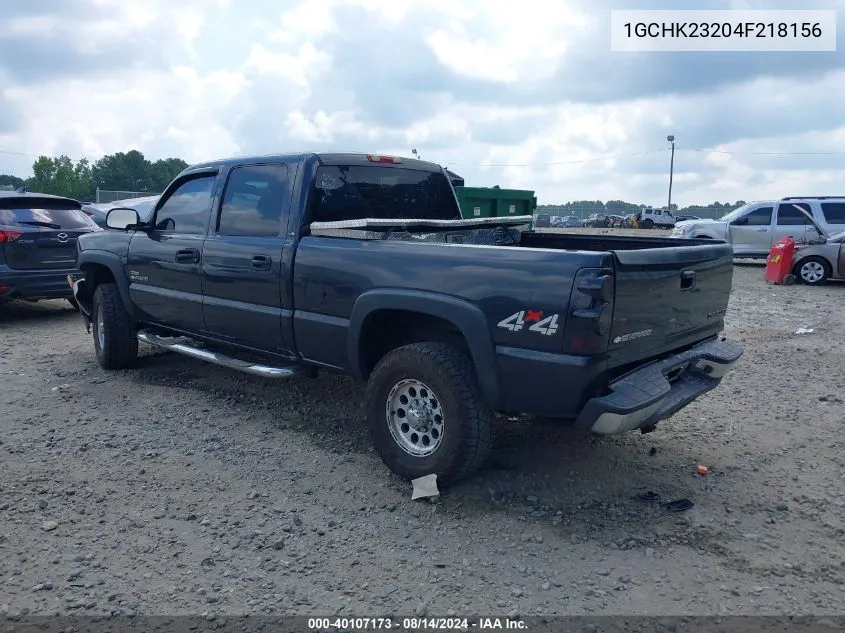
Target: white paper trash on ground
[[425, 487], [804, 330]]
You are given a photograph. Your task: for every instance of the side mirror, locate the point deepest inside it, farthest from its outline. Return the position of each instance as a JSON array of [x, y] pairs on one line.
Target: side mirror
[[741, 221], [122, 218]]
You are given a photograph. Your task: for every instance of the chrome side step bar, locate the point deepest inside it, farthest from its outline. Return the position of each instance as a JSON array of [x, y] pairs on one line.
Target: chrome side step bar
[[217, 359]]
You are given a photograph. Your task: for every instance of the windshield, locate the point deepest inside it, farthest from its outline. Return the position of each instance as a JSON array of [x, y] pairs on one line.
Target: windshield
[[733, 215], [356, 192]]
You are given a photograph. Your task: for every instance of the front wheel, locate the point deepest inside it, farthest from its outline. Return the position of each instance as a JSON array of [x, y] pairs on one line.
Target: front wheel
[[426, 413], [115, 339], [648, 224], [813, 270]]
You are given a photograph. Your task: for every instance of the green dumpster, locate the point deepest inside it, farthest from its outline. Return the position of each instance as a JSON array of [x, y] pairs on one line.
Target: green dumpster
[[486, 202]]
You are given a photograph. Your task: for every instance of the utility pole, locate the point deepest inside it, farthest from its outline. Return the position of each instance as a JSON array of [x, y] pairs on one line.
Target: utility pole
[[671, 139]]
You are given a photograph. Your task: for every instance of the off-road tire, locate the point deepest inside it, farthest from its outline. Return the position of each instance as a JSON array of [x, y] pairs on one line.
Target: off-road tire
[[119, 346], [648, 223], [467, 419]]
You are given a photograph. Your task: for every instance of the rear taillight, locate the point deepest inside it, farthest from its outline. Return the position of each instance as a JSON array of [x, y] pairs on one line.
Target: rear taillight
[[9, 236], [590, 311], [375, 158]]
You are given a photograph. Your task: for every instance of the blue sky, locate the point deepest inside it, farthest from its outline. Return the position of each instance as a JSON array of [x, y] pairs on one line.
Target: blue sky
[[523, 95]]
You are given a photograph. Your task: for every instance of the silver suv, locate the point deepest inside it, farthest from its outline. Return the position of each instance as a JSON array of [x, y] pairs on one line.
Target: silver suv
[[754, 227]]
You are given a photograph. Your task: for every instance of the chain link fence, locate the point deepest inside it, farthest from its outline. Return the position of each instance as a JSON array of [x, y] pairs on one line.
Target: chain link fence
[[104, 195]]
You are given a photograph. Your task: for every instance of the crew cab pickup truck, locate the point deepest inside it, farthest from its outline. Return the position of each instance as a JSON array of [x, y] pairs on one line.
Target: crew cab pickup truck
[[362, 265]]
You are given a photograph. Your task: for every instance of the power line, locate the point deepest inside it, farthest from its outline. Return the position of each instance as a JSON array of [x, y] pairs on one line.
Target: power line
[[3, 151], [563, 162], [718, 151]]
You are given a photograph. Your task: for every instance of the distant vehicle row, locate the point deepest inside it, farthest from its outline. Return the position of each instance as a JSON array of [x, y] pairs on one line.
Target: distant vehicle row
[[647, 218]]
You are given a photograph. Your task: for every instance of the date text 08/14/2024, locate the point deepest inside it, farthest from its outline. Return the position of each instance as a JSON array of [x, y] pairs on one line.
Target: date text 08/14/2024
[[415, 624]]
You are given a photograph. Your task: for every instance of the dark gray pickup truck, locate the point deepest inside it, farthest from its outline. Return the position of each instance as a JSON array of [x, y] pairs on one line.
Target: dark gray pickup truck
[[361, 265]]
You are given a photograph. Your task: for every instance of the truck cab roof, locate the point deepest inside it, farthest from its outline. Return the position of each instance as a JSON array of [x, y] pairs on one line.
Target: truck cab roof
[[324, 158]]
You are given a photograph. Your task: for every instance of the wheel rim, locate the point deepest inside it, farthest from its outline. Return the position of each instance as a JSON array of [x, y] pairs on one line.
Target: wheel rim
[[812, 272], [415, 418], [101, 336]]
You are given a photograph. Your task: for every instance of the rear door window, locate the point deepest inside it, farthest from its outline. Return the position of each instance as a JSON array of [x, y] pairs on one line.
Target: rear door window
[[356, 192], [788, 215], [255, 201], [32, 214]]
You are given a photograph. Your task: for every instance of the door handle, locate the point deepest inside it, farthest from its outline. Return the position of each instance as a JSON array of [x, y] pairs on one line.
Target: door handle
[[261, 262], [187, 256]]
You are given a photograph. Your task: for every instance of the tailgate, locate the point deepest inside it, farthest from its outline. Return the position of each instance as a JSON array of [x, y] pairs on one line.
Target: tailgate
[[667, 295], [42, 250], [41, 233]]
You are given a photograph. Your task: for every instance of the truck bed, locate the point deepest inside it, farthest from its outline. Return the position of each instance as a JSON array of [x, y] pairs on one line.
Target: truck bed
[[666, 293]]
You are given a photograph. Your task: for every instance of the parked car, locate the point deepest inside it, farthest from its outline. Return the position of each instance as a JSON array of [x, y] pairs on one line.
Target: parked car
[[362, 265], [598, 220], [542, 220], [816, 262], [572, 222], [754, 227], [98, 211], [649, 218], [38, 235], [619, 221]]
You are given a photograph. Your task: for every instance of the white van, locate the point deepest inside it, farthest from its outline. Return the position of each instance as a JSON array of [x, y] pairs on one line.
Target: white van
[[754, 227]]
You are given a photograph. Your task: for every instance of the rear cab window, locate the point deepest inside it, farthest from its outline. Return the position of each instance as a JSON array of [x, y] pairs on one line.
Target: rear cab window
[[356, 192], [34, 213]]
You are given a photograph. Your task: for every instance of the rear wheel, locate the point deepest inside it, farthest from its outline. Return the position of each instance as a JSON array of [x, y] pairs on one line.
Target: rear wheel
[[812, 270], [114, 330], [426, 413]]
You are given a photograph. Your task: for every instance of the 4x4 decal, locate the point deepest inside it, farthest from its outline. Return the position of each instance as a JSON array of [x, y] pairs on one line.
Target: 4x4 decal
[[540, 324]]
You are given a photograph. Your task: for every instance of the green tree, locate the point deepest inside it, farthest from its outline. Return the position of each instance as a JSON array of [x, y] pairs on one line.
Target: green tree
[[163, 171], [61, 176], [131, 171], [128, 171], [7, 180]]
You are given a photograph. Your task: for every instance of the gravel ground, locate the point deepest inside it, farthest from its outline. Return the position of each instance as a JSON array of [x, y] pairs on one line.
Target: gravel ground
[[183, 488]]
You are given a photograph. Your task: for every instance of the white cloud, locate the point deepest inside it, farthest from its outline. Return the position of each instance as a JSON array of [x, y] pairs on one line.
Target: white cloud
[[524, 43], [205, 78]]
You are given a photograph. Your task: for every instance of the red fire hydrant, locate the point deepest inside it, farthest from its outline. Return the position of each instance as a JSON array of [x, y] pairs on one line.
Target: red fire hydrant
[[779, 262]]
